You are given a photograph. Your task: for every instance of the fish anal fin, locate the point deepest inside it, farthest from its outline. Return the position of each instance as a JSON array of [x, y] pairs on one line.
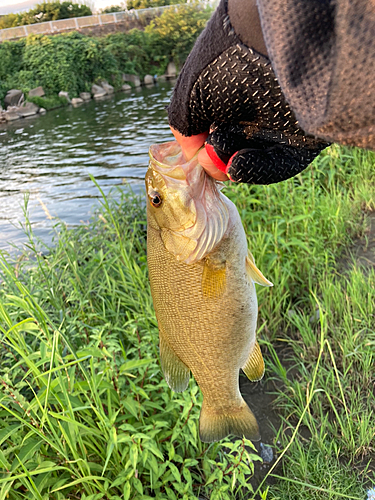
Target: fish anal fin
[[254, 366], [176, 373], [254, 273], [213, 280], [216, 424]]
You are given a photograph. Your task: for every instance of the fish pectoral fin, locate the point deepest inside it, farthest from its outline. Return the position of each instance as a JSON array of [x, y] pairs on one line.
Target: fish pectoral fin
[[177, 244], [213, 280], [254, 273], [176, 373], [216, 423], [254, 366]]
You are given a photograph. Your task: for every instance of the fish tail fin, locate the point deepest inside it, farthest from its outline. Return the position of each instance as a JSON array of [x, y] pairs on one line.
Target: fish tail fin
[[216, 424]]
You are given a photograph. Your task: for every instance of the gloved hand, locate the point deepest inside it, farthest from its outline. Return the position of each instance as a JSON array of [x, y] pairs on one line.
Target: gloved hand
[[228, 88]]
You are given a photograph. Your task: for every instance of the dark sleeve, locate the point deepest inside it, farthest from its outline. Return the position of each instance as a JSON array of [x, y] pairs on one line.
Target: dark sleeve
[[323, 55]]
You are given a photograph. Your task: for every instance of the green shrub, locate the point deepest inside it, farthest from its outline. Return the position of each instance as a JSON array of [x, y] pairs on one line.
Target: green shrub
[[173, 34], [113, 8], [69, 62], [146, 4], [132, 51], [73, 61], [50, 102]]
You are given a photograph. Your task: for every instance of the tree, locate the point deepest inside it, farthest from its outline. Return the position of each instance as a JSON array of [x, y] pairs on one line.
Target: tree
[[113, 8], [46, 11], [145, 4], [174, 33]]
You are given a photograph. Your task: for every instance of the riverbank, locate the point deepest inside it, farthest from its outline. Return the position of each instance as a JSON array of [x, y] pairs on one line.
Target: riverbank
[[51, 157], [73, 62], [85, 410]]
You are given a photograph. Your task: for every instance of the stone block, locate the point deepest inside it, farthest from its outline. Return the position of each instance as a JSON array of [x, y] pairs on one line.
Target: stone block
[[62, 93], [126, 87], [37, 92], [134, 79], [42, 111], [28, 109], [98, 91], [171, 70], [14, 97], [12, 116], [76, 101], [86, 96], [148, 80], [108, 88]]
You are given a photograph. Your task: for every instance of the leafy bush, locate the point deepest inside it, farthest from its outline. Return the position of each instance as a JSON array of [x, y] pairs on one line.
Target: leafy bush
[[132, 52], [69, 62], [73, 61], [173, 34], [113, 8], [146, 4], [45, 11], [48, 103]]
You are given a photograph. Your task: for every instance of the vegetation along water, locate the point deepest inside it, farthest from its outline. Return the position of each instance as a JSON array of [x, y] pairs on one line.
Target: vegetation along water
[[85, 411], [72, 62]]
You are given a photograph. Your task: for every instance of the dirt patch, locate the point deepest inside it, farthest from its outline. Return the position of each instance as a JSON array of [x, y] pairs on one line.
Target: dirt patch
[[363, 250], [260, 397]]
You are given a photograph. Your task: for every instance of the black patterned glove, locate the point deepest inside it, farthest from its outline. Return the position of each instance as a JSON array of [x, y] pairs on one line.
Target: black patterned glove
[[229, 88]]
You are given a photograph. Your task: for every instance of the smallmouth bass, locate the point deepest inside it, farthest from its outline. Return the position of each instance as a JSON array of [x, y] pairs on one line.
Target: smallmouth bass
[[202, 283]]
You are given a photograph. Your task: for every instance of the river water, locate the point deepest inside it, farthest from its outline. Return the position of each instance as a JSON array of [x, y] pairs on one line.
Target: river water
[[51, 156]]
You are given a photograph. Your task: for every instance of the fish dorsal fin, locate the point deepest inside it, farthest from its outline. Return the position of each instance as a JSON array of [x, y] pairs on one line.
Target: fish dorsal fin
[[254, 273], [254, 366], [213, 280]]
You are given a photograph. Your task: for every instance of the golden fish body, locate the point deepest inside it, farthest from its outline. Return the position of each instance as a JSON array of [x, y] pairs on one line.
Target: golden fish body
[[202, 284]]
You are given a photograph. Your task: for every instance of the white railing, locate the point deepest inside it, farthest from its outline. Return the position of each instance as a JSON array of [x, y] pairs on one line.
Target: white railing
[[82, 22]]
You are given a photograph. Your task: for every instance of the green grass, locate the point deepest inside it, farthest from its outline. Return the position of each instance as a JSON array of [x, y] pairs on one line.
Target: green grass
[[84, 410]]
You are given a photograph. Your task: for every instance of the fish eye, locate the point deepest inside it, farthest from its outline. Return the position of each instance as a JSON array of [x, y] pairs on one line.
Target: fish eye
[[155, 199]]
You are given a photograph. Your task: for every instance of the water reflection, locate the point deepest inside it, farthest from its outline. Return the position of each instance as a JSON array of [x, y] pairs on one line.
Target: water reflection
[[52, 156]]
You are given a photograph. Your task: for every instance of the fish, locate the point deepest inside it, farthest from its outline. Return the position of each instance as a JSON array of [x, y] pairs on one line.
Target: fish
[[202, 284]]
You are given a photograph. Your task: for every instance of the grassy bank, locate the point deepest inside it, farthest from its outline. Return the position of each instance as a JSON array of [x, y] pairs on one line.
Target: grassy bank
[[85, 412], [72, 62]]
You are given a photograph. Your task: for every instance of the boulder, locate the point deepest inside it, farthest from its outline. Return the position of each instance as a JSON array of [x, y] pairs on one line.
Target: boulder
[[126, 87], [98, 91], [107, 87], [134, 79], [76, 101], [10, 116], [42, 111], [171, 70], [14, 98], [37, 92], [148, 80], [28, 109], [86, 96], [64, 94]]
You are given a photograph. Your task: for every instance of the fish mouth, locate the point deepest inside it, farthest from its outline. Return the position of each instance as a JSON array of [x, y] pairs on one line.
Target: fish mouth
[[169, 160]]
